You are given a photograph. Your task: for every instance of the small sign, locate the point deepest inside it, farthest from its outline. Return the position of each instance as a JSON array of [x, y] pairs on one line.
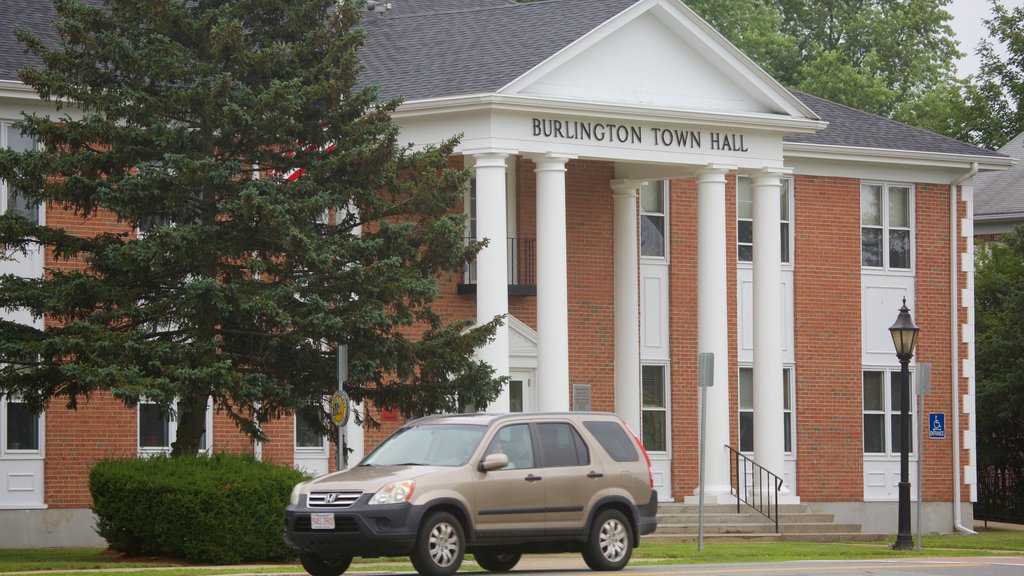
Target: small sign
[[321, 521], [581, 398], [705, 369], [937, 425], [340, 408]]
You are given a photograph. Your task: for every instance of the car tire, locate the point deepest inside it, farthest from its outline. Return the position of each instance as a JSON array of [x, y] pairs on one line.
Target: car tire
[[610, 544], [317, 566], [497, 561], [440, 545]]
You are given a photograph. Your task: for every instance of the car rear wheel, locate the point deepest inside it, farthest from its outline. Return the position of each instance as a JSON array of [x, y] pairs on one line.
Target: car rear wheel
[[319, 567], [440, 546], [610, 543], [497, 561]]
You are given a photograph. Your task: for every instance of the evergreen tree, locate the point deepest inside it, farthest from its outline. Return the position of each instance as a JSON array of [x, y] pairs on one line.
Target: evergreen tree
[[231, 280]]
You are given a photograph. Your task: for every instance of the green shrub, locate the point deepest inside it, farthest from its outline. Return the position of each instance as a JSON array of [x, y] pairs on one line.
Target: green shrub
[[221, 509]]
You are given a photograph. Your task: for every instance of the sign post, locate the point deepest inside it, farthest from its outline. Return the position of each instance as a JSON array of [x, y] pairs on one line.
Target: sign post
[[341, 407], [705, 379], [924, 386]]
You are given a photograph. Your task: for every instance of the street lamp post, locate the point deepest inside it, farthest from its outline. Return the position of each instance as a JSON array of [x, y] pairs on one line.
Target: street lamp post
[[904, 337]]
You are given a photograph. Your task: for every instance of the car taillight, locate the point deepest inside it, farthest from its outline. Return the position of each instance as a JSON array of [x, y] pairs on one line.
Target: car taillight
[[640, 445]]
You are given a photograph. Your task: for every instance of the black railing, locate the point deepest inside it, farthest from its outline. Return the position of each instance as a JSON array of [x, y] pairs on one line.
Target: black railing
[[522, 269], [1000, 496], [760, 491]]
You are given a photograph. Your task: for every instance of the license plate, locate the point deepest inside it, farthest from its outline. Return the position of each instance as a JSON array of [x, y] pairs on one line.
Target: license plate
[[322, 521]]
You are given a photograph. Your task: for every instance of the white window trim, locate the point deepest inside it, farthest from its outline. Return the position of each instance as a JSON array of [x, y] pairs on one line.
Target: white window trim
[[789, 454], [666, 199], [4, 124], [668, 405], [888, 455], [172, 430], [5, 454], [791, 209], [309, 450], [912, 204]]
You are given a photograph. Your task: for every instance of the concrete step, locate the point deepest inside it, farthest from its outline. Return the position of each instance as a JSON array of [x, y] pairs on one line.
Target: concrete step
[[784, 518], [770, 537], [758, 527]]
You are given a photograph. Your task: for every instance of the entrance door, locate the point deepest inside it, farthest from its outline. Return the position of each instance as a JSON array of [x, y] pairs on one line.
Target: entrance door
[[522, 391]]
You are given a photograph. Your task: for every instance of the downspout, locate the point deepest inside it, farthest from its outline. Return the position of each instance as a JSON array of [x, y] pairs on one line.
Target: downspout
[[955, 331]]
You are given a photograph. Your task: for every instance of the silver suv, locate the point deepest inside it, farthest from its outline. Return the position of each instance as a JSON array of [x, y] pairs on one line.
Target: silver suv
[[496, 486]]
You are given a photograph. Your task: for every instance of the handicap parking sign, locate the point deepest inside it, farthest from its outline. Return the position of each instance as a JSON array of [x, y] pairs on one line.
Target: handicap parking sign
[[937, 425]]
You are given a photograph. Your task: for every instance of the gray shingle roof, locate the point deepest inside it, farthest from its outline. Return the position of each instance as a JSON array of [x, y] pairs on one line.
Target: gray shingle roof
[[36, 16], [851, 127], [1002, 193], [422, 49], [436, 48]]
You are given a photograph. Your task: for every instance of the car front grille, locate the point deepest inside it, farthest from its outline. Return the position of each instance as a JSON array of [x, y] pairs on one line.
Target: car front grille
[[339, 499]]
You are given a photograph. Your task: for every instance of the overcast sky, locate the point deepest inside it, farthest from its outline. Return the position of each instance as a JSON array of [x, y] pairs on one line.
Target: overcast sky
[[967, 16]]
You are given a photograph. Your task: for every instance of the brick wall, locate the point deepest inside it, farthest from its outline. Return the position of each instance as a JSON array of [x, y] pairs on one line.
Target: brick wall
[[683, 335], [827, 308]]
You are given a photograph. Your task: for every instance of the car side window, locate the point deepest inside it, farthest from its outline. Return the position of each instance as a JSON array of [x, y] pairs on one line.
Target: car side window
[[515, 442], [614, 440], [561, 445]]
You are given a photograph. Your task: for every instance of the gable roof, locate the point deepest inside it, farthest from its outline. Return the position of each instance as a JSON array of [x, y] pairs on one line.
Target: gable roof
[[854, 128], [35, 15], [1001, 194], [427, 49]]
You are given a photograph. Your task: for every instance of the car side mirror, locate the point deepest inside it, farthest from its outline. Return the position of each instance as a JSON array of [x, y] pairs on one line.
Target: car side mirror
[[493, 462]]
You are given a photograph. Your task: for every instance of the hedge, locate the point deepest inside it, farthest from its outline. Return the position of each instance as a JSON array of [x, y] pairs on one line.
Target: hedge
[[220, 509]]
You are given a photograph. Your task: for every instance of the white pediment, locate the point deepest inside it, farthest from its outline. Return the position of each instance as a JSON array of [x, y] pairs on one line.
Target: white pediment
[[522, 340], [658, 53]]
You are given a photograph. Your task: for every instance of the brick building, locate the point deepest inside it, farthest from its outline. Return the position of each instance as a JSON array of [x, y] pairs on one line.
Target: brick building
[[661, 196]]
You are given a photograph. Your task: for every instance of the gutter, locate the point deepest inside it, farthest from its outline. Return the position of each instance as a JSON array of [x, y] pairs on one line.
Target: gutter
[[955, 332]]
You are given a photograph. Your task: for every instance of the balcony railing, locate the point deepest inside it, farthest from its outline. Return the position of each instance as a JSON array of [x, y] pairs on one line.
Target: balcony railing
[[522, 269]]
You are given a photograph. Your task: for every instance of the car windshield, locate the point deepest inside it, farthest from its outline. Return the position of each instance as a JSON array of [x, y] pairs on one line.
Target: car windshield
[[428, 445]]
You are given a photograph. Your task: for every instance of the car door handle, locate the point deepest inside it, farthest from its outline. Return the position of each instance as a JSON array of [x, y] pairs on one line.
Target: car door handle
[[532, 478], [593, 474]]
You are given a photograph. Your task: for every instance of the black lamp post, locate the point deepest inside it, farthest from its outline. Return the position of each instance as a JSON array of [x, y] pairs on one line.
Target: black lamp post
[[904, 337]]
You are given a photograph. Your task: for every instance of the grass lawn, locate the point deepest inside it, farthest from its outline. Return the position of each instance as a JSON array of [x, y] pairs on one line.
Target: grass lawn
[[60, 561]]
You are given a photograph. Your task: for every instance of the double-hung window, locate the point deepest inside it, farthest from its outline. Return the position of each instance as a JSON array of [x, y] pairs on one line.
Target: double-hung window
[[883, 434], [20, 428], [745, 219], [655, 408], [10, 199], [746, 413], [158, 427], [307, 434], [886, 230], [653, 219]]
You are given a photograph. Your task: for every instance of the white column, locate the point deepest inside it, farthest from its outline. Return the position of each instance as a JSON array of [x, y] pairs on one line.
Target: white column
[[713, 325], [768, 405], [552, 287], [492, 263], [627, 303]]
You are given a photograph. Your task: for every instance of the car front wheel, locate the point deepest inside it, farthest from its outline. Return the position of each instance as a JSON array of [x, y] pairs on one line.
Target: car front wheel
[[440, 546], [610, 544], [497, 561], [319, 567]]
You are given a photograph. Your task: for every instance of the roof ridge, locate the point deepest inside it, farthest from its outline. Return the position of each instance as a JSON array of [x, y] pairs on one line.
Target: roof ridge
[[505, 5]]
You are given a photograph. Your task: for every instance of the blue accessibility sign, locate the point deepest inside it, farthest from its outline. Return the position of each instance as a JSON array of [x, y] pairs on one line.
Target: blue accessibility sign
[[937, 425]]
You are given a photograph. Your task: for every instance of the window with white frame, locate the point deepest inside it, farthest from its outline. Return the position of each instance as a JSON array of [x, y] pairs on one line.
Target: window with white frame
[[10, 199], [883, 434], [307, 434], [158, 427], [653, 219], [654, 414], [20, 428], [746, 412], [745, 219], [886, 225]]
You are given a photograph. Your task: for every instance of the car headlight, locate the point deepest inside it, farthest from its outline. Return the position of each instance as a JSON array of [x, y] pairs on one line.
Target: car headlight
[[394, 493], [296, 495]]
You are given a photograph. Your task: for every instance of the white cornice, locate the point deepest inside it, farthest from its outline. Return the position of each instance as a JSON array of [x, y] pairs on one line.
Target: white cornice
[[897, 157], [1003, 217], [13, 89], [616, 111]]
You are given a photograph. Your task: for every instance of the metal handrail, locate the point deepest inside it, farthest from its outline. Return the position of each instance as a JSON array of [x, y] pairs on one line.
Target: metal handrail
[[766, 502]]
